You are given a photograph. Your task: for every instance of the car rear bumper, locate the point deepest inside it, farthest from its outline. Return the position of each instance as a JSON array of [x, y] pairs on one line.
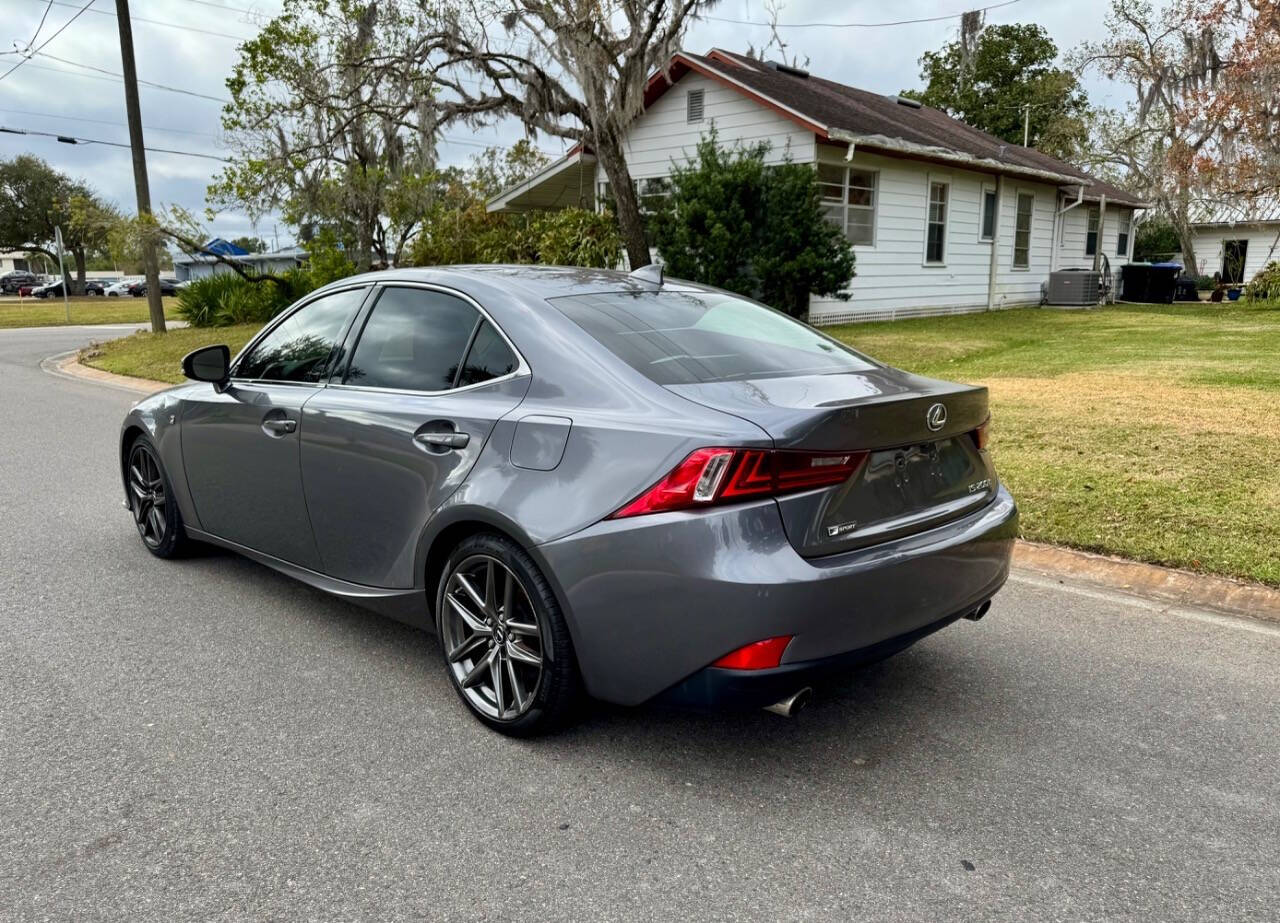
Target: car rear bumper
[[716, 687], [652, 601]]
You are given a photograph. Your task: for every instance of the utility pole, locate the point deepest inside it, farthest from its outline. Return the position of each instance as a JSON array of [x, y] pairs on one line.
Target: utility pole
[[150, 262], [1026, 125]]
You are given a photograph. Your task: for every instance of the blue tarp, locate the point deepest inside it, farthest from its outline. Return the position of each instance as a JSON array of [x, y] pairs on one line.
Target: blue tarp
[[224, 248]]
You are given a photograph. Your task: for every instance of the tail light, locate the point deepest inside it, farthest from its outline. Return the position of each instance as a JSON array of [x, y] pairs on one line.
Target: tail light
[[982, 435], [759, 655], [708, 477]]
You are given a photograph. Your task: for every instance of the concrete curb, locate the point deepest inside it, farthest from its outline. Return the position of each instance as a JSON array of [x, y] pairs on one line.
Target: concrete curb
[[68, 365], [1180, 587]]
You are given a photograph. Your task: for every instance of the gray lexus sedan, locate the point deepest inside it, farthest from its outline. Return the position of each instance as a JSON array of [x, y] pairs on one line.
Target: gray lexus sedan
[[587, 483]]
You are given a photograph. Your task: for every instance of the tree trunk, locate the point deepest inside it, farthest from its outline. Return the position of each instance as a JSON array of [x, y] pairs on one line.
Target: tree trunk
[[1182, 225], [630, 221], [78, 287]]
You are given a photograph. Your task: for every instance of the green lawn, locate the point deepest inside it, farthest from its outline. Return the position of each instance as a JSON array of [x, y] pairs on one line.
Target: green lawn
[[159, 356], [1152, 433], [97, 309], [1148, 432]]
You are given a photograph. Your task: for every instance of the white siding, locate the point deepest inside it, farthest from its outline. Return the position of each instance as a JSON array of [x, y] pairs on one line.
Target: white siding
[[1264, 246], [1075, 227], [892, 279], [662, 134]]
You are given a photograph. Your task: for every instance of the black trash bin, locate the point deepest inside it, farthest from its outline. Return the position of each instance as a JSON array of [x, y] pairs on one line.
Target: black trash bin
[[1162, 283], [1134, 280]]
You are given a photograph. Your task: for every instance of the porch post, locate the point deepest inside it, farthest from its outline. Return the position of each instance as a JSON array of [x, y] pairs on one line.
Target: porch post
[[994, 265]]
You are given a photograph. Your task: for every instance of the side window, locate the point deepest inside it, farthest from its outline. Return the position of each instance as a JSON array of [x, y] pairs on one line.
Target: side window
[[303, 347], [413, 340], [988, 231], [936, 234], [490, 357], [1022, 230]]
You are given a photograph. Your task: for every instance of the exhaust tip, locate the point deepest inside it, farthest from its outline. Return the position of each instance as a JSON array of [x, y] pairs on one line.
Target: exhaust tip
[[791, 706], [978, 612]]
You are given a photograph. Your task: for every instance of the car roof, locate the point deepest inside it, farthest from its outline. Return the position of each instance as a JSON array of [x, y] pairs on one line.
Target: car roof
[[537, 280]]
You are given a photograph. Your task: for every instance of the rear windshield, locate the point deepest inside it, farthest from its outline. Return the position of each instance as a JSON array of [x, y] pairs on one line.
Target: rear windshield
[[680, 338]]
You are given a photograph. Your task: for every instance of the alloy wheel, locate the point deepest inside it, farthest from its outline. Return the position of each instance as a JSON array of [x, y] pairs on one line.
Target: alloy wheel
[[147, 496], [491, 637]]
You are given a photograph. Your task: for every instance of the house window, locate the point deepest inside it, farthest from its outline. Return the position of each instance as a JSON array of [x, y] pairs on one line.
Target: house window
[[936, 232], [849, 201], [1091, 236], [988, 214], [1122, 233], [1022, 231], [693, 101]]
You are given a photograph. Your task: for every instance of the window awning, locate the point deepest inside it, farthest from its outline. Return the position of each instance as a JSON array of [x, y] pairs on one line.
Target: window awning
[[568, 182]]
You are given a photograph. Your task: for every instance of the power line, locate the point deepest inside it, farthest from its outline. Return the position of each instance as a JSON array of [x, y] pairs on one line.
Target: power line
[[120, 77], [230, 9], [48, 6], [74, 118], [158, 22], [858, 25], [78, 14], [72, 139]]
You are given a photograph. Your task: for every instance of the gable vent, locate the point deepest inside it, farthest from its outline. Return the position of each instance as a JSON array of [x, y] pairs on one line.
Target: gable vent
[[693, 103], [909, 103], [786, 69]]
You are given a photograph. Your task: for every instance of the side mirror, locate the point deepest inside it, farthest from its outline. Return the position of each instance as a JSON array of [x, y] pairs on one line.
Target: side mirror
[[208, 363]]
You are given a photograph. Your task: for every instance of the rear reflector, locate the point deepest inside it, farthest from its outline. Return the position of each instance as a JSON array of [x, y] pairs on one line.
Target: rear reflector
[[724, 475], [760, 655]]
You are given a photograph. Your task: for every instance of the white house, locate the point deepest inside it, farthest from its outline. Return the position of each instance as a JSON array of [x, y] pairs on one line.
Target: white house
[[1236, 241], [11, 260], [200, 265], [943, 218]]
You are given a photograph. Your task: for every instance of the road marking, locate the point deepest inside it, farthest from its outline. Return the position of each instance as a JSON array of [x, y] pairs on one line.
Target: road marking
[[1204, 616]]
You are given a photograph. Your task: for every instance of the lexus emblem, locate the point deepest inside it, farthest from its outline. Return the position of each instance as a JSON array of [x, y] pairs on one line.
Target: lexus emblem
[[936, 417]]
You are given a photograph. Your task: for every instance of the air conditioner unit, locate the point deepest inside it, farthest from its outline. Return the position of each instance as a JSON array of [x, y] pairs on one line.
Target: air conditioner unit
[[1074, 286]]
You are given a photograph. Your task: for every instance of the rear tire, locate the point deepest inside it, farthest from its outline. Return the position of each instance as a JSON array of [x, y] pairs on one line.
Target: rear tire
[[504, 640], [152, 502]]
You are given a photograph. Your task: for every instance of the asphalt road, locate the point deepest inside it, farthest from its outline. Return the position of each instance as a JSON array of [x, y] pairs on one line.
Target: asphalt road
[[208, 740]]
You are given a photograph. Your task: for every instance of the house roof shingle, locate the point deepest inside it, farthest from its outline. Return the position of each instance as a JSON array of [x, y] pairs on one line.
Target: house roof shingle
[[845, 113]]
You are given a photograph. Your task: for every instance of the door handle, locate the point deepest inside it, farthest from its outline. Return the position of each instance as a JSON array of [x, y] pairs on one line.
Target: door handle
[[280, 427], [443, 440]]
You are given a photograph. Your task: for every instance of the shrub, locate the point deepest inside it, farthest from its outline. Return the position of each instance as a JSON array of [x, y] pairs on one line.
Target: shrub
[[577, 237], [1266, 284], [326, 262], [1204, 283], [733, 222], [225, 298], [567, 237]]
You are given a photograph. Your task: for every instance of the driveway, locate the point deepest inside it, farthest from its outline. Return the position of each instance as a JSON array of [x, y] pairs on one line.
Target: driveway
[[208, 740]]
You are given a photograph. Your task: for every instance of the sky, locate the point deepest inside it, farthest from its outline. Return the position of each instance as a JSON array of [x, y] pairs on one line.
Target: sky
[[191, 45]]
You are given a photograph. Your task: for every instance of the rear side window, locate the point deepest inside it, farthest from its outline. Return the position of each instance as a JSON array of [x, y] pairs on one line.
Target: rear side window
[[490, 357], [689, 337], [413, 341], [302, 348]]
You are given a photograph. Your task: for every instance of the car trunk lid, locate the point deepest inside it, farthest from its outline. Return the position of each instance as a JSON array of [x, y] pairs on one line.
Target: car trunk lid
[[922, 465]]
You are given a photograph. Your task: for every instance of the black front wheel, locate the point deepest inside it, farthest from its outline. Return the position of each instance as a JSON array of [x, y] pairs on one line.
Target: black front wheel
[[155, 511]]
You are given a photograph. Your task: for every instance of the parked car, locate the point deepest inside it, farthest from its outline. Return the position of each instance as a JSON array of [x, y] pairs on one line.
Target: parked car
[[167, 287], [587, 483], [116, 289], [48, 290], [94, 287], [10, 282]]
